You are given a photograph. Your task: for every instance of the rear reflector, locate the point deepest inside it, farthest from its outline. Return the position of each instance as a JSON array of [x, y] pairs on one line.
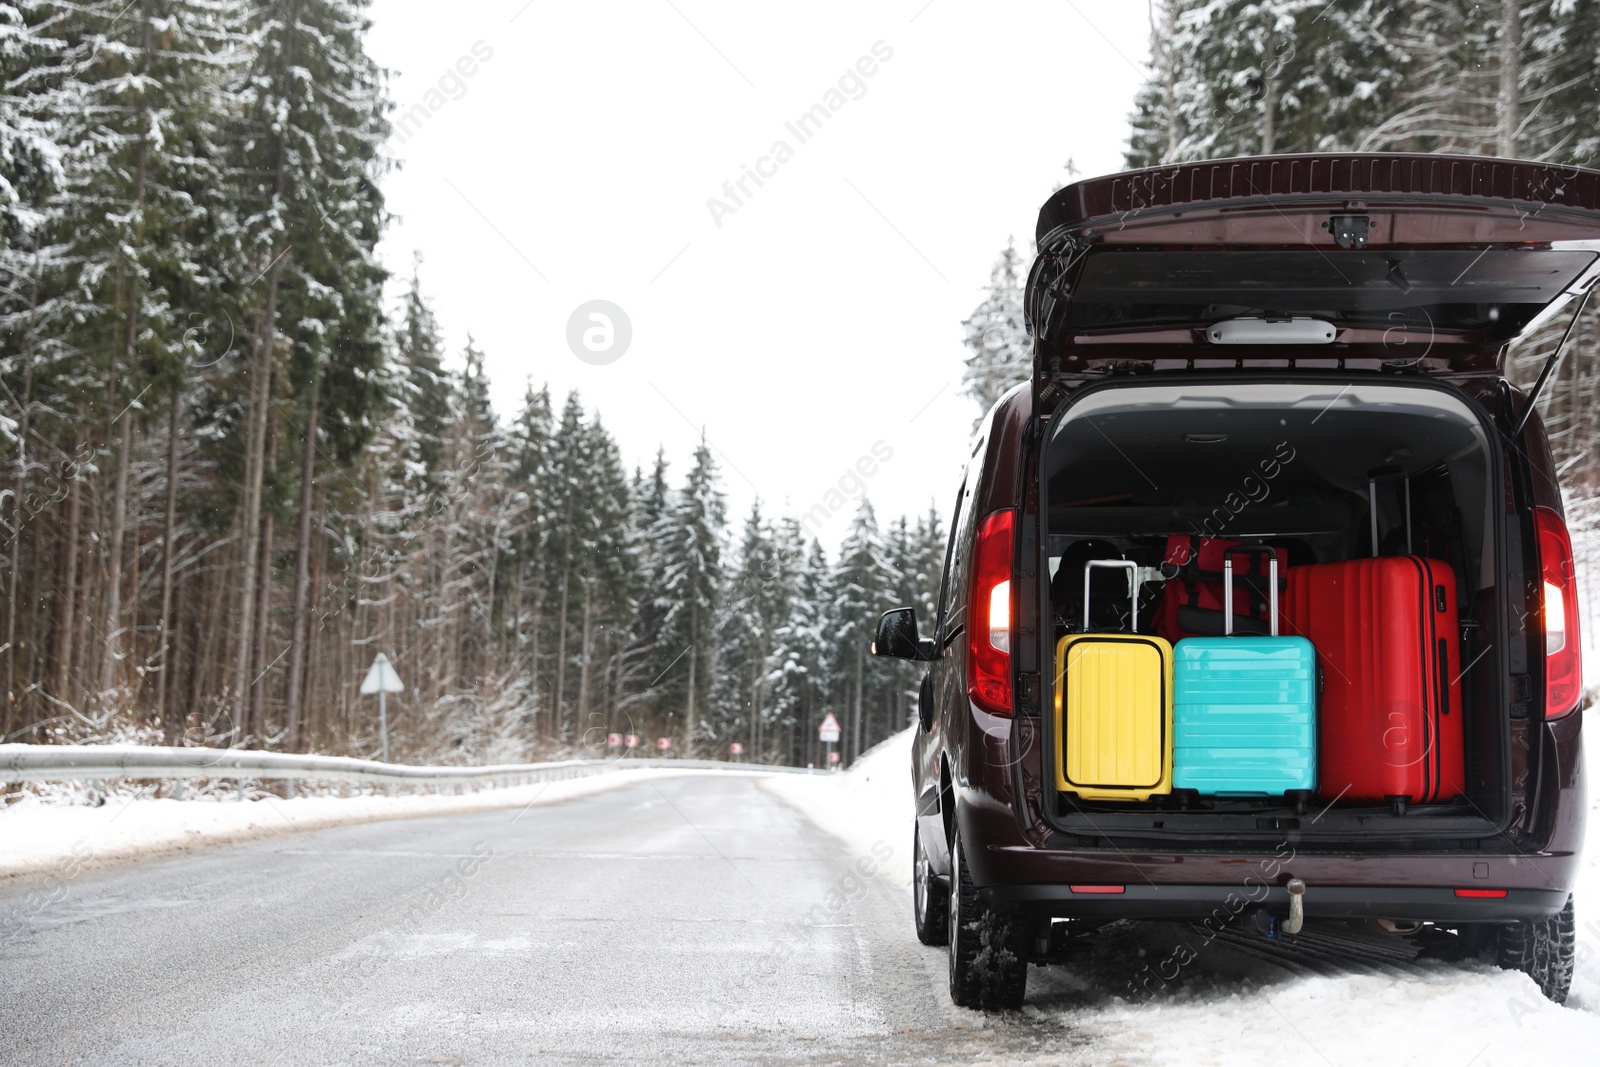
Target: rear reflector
[[1495, 893], [1096, 888]]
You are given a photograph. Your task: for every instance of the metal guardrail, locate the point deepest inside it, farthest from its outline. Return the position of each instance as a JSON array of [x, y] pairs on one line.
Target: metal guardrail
[[31, 763]]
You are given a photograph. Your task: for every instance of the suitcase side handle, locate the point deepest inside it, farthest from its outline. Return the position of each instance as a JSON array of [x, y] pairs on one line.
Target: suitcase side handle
[[1133, 578], [1227, 586]]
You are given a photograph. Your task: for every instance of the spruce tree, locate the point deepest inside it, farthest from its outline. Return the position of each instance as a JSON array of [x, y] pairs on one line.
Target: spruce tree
[[688, 538], [997, 336], [860, 589]]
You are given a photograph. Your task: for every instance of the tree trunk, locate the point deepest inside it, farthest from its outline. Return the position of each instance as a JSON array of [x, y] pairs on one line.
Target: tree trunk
[[169, 531], [558, 714], [1510, 78], [265, 340], [1269, 99], [67, 624], [130, 337], [585, 654], [855, 742], [302, 575], [17, 520]]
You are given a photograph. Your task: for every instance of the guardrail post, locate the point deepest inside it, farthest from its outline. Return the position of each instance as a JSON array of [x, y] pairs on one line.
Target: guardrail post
[[240, 783]]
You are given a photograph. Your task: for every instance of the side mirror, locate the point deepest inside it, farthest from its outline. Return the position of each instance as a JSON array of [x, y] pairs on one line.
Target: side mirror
[[897, 637]]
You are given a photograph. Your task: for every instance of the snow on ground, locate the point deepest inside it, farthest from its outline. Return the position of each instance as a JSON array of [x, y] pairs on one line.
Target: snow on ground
[[1228, 1009], [53, 842], [868, 804]]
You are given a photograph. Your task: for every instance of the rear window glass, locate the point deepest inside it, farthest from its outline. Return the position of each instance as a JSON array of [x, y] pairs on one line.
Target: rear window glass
[[1495, 291]]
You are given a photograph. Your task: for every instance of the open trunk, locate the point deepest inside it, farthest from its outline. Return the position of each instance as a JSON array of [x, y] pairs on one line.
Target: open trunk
[[1289, 462]]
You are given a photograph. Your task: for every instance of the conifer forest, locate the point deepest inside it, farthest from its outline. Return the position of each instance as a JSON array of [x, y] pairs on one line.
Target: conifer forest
[[231, 470]]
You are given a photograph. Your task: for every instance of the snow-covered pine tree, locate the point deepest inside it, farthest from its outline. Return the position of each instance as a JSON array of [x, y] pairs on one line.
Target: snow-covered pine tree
[[646, 660], [797, 666], [564, 495], [997, 335], [688, 538], [305, 182], [530, 444], [1242, 77], [606, 572], [860, 589], [754, 604], [427, 395]]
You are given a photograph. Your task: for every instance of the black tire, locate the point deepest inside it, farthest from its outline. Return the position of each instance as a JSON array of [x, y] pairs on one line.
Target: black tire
[[1543, 950], [988, 949], [930, 897]]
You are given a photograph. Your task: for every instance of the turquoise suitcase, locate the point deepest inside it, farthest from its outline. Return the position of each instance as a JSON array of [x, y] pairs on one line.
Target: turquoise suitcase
[[1245, 708]]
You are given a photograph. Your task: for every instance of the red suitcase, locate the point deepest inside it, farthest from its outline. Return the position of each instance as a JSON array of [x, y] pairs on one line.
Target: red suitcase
[[1386, 635]]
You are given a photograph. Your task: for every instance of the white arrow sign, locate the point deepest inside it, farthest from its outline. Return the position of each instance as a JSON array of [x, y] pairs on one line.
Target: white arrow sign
[[381, 678], [828, 732]]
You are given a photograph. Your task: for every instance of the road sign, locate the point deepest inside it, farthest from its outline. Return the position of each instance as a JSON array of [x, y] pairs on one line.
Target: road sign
[[736, 748], [631, 740], [613, 740], [833, 757], [828, 732], [663, 743], [381, 678]]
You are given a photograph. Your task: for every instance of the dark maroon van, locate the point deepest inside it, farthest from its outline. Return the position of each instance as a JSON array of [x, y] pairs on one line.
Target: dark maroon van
[[1231, 349]]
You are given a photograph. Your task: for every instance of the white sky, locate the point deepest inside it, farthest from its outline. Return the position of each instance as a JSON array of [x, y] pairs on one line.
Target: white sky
[[823, 316]]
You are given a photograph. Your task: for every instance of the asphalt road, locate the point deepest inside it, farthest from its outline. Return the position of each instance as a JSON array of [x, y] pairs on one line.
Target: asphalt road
[[688, 920]]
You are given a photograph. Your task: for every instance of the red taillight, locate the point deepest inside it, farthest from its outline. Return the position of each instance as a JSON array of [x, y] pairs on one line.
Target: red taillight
[[990, 612], [1563, 660], [1494, 894], [1098, 889]]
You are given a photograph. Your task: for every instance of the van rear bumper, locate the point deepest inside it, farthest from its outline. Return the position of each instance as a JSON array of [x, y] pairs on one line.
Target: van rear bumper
[[1425, 904]]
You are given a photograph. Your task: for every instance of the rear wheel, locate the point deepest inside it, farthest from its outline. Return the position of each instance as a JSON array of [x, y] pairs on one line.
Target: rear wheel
[[930, 896], [988, 949], [1544, 950]]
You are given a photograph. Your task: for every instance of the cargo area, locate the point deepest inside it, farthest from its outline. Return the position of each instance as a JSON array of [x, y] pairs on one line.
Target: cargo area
[[1319, 472]]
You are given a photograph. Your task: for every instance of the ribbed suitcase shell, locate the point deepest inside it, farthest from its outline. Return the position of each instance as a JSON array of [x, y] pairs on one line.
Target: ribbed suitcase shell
[[1388, 640], [1113, 711], [1244, 715]]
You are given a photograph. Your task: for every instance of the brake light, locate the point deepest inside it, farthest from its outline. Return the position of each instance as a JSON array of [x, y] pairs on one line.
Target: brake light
[[1487, 894], [990, 605], [1563, 661]]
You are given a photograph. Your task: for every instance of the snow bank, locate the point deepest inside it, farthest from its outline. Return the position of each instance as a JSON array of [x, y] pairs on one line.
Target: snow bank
[[870, 802], [59, 842], [1443, 1015]]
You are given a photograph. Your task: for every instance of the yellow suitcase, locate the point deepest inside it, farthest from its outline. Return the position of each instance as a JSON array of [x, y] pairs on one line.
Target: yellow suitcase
[[1113, 709]]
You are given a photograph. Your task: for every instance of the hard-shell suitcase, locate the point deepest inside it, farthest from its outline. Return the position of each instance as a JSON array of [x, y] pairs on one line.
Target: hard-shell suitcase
[[1244, 707], [1387, 639], [1113, 709], [1192, 596]]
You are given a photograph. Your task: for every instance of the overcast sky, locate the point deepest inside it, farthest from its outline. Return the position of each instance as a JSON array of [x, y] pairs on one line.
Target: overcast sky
[[558, 152]]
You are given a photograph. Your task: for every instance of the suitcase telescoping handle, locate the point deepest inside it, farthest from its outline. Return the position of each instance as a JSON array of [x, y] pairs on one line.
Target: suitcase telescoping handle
[[1133, 575], [1227, 586], [1387, 474]]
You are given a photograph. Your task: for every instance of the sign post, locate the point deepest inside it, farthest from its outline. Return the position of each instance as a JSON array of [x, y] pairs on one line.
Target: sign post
[[382, 679], [828, 734]]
